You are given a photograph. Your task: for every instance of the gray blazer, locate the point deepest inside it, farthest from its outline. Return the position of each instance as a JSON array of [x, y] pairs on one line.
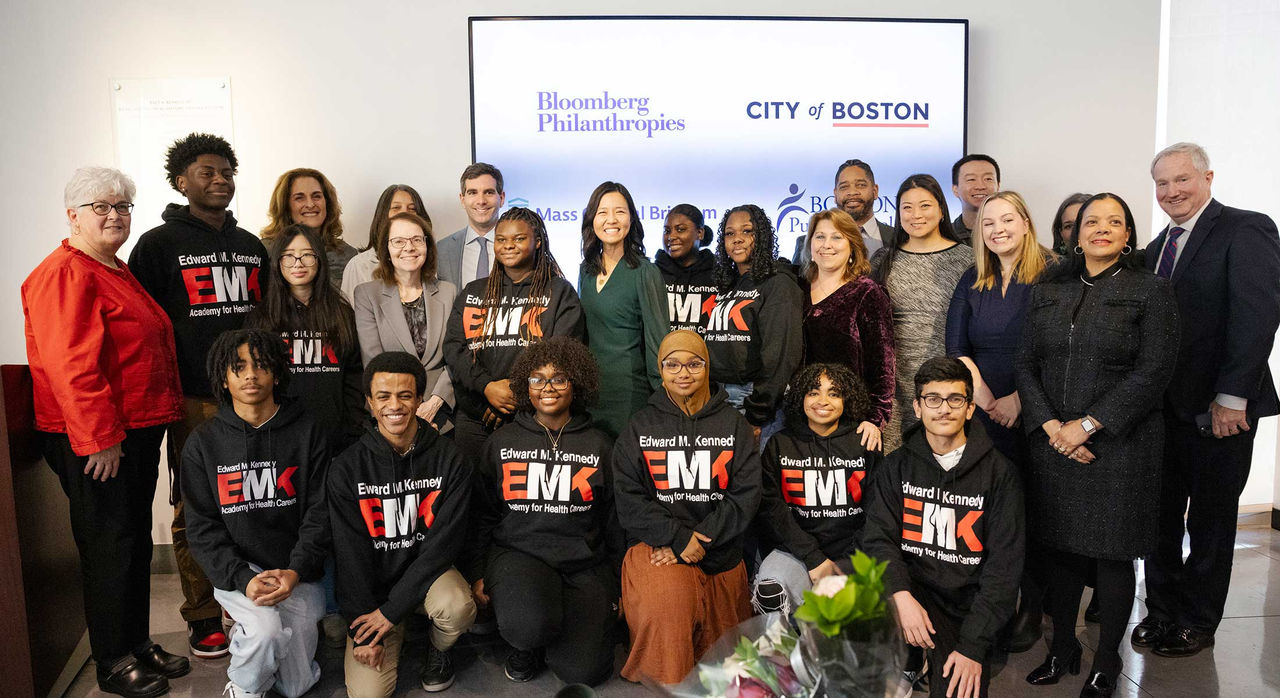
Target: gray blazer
[[449, 257], [381, 326]]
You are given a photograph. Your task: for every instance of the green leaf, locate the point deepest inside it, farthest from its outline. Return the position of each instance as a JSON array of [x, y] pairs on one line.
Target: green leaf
[[861, 563], [830, 629]]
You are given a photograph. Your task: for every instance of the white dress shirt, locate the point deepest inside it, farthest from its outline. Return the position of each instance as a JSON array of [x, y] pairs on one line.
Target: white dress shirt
[[471, 256]]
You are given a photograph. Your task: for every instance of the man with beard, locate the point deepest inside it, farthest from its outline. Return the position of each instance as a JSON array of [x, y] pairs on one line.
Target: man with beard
[[855, 192]]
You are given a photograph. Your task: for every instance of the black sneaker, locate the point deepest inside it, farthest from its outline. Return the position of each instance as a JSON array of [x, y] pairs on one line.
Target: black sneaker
[[207, 639], [437, 671], [523, 665]]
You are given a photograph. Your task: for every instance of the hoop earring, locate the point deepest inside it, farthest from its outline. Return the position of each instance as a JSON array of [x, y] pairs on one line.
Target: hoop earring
[[1128, 249], [1078, 250]]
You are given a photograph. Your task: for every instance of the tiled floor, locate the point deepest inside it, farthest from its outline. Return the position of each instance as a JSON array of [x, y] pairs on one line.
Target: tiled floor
[[1245, 662]]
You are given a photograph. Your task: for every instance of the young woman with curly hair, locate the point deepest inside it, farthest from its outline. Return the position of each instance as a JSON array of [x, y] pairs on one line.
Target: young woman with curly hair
[[753, 333], [549, 544]]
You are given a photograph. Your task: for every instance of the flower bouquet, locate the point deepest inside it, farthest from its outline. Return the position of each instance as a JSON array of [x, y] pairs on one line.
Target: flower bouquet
[[753, 660]]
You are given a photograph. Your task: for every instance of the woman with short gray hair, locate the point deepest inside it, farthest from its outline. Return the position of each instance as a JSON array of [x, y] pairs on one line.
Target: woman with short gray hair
[[105, 377]]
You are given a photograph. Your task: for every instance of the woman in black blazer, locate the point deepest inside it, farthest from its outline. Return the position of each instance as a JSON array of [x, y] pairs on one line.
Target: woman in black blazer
[[1096, 354], [405, 308]]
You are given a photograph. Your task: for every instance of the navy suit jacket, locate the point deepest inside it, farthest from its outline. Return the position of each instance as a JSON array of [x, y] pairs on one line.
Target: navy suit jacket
[[1227, 285]]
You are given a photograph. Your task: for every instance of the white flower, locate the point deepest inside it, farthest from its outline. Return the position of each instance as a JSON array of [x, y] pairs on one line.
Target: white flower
[[830, 586]]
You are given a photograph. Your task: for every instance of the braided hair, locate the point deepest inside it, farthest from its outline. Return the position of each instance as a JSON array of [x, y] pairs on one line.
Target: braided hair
[[545, 268]]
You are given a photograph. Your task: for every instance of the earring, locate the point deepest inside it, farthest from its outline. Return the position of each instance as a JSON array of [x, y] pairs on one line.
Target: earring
[[1128, 249], [1079, 250]]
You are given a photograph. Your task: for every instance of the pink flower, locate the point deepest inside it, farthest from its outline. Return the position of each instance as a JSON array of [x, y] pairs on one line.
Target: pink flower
[[830, 586], [750, 688]]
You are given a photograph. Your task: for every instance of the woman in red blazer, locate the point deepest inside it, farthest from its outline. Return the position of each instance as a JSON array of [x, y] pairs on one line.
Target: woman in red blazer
[[105, 375]]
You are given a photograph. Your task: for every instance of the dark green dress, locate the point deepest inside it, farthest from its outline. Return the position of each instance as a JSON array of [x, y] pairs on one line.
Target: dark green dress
[[626, 321]]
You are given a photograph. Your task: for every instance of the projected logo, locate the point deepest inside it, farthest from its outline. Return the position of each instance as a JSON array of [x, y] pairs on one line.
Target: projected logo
[[518, 202], [791, 206]]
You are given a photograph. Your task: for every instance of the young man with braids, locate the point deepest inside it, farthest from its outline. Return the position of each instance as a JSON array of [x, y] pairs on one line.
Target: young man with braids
[[207, 274], [525, 299]]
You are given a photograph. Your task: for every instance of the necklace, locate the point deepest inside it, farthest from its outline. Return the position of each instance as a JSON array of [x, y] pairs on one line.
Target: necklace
[[1090, 283], [555, 440]]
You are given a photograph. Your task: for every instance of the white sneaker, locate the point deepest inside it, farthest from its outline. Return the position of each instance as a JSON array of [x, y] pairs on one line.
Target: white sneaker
[[236, 692]]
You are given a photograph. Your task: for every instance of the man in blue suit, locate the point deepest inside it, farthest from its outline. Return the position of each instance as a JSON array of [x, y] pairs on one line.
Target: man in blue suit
[[1224, 264], [467, 255]]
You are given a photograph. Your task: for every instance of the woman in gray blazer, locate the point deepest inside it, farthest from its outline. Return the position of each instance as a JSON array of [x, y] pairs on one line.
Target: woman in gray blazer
[[405, 308]]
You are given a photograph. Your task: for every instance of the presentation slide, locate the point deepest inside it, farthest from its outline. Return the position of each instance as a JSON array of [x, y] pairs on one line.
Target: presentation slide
[[712, 112]]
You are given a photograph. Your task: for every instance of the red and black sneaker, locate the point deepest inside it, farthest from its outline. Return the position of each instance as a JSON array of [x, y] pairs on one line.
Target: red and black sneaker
[[207, 639]]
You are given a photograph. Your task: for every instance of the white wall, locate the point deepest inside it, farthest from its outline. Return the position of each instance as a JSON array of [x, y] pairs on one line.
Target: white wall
[[1063, 95]]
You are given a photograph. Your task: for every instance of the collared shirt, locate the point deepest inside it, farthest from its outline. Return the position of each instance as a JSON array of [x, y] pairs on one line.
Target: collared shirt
[[1187, 226], [1231, 402], [871, 236], [471, 255]]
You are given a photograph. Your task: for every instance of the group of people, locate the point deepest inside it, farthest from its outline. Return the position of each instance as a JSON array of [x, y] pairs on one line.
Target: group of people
[[450, 428]]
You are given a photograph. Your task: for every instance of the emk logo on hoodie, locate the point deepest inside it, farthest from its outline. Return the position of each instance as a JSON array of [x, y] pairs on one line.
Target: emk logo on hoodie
[[687, 474], [255, 485], [806, 483], [726, 316], [688, 305], [942, 522], [500, 326], [309, 353], [548, 484], [216, 279], [393, 512]]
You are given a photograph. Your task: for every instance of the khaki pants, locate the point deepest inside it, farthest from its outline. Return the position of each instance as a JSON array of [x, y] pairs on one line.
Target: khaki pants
[[197, 593], [451, 609]]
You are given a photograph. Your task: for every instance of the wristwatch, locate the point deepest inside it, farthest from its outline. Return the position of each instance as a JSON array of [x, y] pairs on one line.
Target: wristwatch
[[1088, 425]]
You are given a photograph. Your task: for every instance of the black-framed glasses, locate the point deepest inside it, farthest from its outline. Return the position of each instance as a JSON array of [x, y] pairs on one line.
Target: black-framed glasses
[[673, 367], [306, 259], [933, 401], [102, 208], [557, 383]]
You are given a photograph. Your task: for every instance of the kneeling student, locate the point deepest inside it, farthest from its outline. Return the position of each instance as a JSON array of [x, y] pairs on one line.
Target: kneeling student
[[253, 483], [945, 510], [398, 502], [553, 547]]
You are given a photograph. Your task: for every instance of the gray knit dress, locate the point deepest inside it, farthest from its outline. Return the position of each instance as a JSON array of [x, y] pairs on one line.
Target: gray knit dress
[[920, 287]]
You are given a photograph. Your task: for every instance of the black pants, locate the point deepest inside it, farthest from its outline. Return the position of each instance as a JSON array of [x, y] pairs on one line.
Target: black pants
[[111, 522], [570, 615], [1203, 478], [1113, 589], [946, 634], [469, 435]]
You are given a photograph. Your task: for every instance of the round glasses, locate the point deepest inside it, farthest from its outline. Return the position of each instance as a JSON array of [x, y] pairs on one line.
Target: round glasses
[[673, 367], [955, 402], [306, 259]]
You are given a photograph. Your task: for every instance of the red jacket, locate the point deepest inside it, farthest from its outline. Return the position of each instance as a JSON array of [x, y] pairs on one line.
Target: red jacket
[[101, 351]]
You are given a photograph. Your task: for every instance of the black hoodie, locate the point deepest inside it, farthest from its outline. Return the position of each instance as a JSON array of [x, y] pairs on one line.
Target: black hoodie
[[207, 280], [957, 534], [675, 474], [691, 290], [399, 522], [476, 360], [554, 504], [812, 506], [754, 336], [256, 496]]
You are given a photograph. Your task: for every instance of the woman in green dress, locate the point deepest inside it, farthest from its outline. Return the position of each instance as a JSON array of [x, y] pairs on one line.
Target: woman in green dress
[[625, 303]]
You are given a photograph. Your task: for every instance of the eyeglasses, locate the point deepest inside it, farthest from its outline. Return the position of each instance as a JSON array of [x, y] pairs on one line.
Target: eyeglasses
[[557, 383], [306, 259], [933, 401], [102, 208], [401, 243], [673, 367]]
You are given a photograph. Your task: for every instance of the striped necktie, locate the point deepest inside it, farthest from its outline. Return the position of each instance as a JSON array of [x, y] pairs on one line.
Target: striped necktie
[[1170, 253]]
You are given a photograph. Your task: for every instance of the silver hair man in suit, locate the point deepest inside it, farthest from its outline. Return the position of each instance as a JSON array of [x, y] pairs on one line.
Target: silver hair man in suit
[[467, 255], [1224, 264], [856, 193]]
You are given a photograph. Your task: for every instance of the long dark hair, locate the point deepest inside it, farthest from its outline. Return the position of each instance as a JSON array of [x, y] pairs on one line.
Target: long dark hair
[[900, 236], [1074, 265], [592, 248], [1059, 243], [328, 311], [764, 252], [383, 211], [545, 269]]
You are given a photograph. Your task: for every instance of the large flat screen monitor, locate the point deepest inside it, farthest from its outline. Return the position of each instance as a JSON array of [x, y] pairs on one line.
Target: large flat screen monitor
[[712, 111]]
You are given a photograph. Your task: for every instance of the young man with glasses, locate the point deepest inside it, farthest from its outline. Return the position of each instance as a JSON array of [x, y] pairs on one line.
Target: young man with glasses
[[207, 274], [945, 510]]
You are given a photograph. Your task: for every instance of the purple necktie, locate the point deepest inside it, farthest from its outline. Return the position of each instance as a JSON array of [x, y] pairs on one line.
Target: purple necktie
[[1170, 253]]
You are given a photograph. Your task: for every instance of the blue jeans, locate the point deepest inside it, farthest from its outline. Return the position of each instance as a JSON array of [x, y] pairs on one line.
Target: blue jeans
[[738, 393], [273, 646]]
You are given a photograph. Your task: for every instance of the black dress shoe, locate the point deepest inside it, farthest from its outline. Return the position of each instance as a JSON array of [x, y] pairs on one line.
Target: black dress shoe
[[1099, 685], [1150, 632], [1183, 642], [1091, 612], [132, 680], [170, 666], [1024, 632], [1053, 669]]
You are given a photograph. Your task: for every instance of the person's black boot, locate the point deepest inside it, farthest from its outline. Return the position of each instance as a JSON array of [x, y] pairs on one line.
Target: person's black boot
[[170, 666], [132, 679]]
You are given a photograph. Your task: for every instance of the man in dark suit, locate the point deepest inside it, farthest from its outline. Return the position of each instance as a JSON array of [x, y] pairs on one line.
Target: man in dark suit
[[856, 193], [1224, 264], [467, 255]]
